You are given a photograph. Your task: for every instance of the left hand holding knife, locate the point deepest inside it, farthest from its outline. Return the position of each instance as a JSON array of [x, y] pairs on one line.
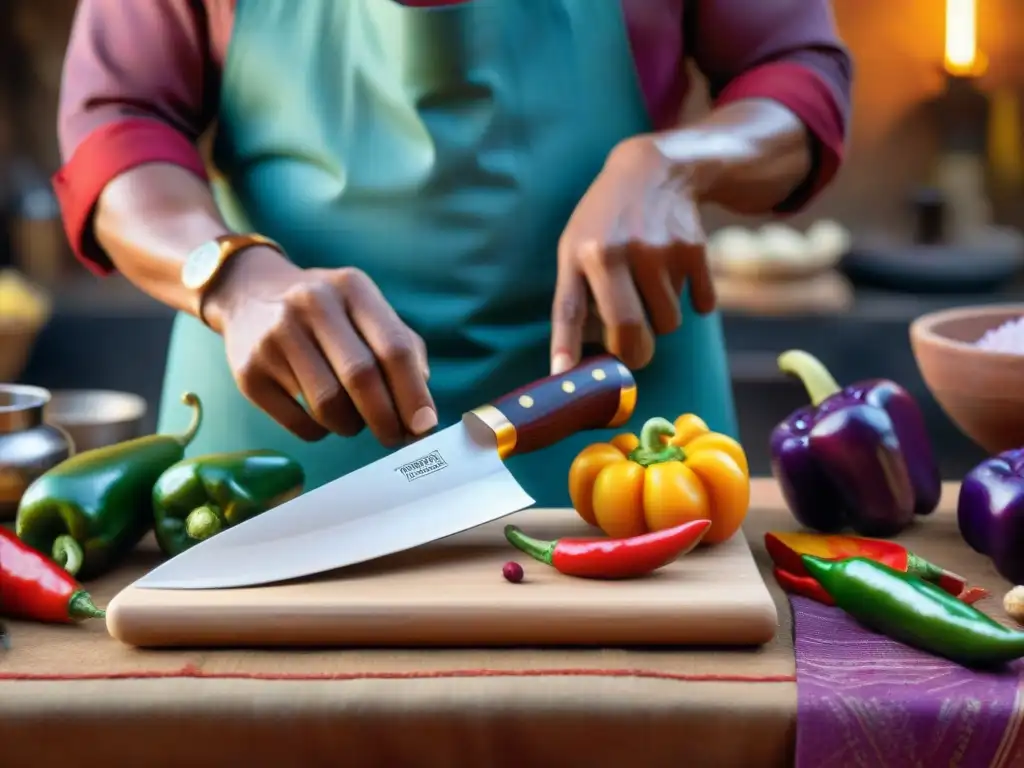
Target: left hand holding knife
[[632, 243]]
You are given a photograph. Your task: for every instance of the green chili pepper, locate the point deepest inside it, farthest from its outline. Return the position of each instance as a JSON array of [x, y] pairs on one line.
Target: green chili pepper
[[915, 612], [90, 511], [196, 498]]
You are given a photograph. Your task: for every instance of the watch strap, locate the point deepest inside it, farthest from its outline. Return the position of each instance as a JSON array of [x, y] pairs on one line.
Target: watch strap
[[227, 246]]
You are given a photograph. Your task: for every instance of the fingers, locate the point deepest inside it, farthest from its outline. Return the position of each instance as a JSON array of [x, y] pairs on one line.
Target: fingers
[[341, 347], [269, 395], [421, 351], [627, 333], [702, 286], [689, 254], [354, 367], [661, 280], [568, 318], [400, 354], [316, 382], [593, 330], [677, 271], [659, 293], [332, 340]]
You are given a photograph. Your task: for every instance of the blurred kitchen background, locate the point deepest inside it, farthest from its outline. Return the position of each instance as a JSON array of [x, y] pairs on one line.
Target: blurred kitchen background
[[926, 215]]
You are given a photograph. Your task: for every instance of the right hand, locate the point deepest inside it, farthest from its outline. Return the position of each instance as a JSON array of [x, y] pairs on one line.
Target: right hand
[[327, 335]]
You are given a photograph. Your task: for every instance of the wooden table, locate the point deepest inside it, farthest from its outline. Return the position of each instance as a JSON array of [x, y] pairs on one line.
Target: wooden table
[[73, 693]]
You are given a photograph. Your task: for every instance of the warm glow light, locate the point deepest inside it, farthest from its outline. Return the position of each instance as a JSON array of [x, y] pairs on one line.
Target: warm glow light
[[961, 36]]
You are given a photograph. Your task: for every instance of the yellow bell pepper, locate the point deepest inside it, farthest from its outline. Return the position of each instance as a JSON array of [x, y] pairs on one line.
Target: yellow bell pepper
[[672, 474]]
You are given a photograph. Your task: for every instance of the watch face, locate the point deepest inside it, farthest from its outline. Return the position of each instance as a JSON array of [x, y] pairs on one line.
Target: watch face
[[201, 265]]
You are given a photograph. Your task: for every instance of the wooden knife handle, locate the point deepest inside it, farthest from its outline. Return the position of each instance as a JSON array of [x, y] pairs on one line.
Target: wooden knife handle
[[596, 394]]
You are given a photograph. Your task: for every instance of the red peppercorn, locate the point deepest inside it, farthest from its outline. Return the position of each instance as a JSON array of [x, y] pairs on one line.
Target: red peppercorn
[[512, 571]]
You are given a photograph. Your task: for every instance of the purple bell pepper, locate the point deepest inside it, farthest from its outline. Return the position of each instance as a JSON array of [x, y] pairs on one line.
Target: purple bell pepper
[[857, 457], [990, 512]]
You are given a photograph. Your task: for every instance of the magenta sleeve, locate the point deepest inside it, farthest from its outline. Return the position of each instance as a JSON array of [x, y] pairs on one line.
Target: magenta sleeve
[[139, 86], [785, 50]]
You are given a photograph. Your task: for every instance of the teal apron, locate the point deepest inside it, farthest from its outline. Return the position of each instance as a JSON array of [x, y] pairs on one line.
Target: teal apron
[[440, 150]]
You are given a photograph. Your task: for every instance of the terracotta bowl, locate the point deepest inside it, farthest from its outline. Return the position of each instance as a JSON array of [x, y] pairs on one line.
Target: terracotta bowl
[[981, 391]]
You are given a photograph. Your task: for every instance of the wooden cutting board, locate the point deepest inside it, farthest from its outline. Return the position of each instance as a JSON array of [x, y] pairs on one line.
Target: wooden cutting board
[[452, 593]]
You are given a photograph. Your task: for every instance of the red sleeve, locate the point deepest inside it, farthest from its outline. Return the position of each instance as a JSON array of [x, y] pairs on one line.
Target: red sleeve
[[138, 87], [787, 51]]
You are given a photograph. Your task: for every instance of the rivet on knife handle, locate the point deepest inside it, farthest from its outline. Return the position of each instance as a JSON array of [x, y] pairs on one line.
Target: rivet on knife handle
[[597, 394]]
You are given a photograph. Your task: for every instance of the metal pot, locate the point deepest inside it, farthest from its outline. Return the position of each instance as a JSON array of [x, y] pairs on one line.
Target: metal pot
[[28, 446], [96, 418]]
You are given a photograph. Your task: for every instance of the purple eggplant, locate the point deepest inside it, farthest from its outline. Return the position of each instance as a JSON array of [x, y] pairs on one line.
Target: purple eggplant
[[857, 457], [990, 512]]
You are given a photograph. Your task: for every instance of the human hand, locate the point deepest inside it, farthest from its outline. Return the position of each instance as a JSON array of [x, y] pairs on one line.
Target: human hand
[[327, 335], [632, 243]]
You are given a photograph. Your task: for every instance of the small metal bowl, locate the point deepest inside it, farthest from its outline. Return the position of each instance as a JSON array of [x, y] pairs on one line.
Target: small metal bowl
[[96, 418]]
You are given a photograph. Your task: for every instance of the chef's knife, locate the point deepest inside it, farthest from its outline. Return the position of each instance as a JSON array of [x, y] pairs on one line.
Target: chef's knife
[[441, 485]]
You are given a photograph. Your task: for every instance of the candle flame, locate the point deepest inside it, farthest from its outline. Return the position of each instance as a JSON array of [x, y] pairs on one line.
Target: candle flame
[[961, 37]]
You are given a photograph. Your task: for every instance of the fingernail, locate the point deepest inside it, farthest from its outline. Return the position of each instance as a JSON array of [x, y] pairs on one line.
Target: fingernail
[[560, 364], [424, 420]]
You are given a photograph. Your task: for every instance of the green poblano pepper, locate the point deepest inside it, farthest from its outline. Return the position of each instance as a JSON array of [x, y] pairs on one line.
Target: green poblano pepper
[[198, 497], [90, 511]]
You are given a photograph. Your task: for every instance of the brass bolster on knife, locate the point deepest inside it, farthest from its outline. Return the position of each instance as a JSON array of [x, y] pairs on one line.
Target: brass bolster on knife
[[627, 404], [504, 430]]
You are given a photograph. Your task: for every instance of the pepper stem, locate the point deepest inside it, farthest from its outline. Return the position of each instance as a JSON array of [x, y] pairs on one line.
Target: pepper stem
[[542, 551], [653, 449], [203, 522], [81, 606], [812, 373], [67, 553], [923, 569], [191, 399], [918, 566]]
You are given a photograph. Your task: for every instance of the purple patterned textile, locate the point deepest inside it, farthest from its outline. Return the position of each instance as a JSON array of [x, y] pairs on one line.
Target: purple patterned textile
[[865, 701]]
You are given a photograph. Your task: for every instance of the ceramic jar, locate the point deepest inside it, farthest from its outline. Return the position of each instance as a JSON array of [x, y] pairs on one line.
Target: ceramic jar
[[28, 446]]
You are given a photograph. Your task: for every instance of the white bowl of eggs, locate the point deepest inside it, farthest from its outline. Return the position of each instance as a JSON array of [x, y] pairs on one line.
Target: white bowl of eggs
[[777, 251]]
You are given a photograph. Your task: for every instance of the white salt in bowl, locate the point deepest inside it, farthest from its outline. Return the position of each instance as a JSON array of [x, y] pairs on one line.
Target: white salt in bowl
[[980, 386]]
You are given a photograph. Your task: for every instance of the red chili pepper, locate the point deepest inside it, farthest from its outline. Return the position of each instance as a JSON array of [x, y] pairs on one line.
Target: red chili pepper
[[598, 558], [802, 585], [34, 587], [786, 550]]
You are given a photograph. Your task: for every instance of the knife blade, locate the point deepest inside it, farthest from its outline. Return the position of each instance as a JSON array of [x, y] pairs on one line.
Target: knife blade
[[444, 484]]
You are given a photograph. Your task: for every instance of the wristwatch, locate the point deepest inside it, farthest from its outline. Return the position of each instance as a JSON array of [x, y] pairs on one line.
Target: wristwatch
[[203, 265]]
